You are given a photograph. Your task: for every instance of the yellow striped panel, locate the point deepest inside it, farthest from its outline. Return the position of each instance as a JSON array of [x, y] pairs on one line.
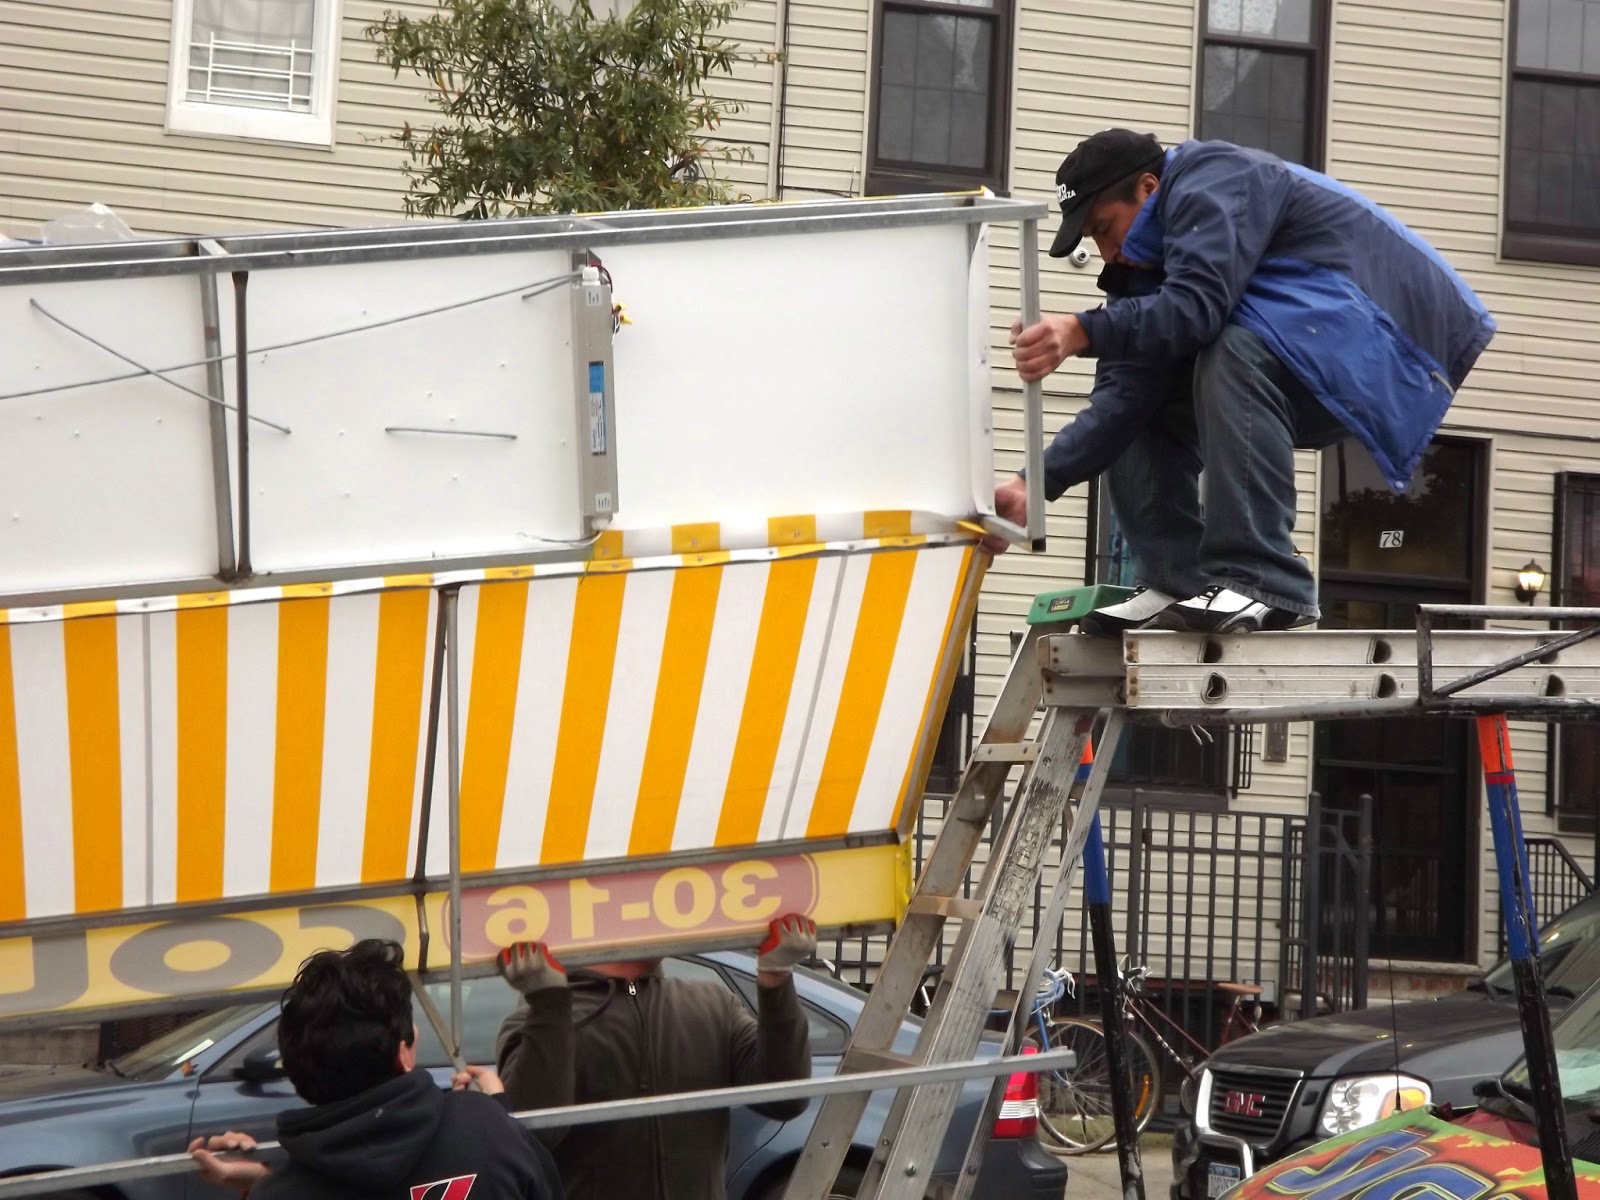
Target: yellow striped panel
[[697, 539], [886, 524], [590, 661], [963, 604], [396, 728], [13, 896], [94, 746], [491, 711], [883, 606], [202, 649], [792, 531], [297, 753], [677, 703], [766, 699]]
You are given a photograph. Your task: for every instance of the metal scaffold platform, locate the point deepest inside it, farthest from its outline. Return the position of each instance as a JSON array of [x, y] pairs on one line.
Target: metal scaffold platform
[[1444, 667]]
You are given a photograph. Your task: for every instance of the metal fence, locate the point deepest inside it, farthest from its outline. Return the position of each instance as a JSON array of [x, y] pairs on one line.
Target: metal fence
[[1556, 881], [1329, 892], [1199, 897]]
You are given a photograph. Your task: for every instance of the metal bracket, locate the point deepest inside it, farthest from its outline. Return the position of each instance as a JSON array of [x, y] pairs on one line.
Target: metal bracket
[[595, 392], [1082, 672]]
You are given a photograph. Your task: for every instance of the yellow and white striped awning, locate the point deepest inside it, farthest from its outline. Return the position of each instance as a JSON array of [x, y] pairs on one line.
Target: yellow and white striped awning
[[224, 746]]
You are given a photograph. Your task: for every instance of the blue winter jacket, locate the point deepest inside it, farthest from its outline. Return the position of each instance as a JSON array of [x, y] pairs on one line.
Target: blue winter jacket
[[1365, 313]]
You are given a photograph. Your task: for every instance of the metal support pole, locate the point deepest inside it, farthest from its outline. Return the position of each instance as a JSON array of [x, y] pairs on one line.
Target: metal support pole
[[1133, 932], [1097, 895], [1359, 959], [430, 760], [221, 484], [1494, 745], [1033, 394], [241, 347], [453, 707], [1311, 886]]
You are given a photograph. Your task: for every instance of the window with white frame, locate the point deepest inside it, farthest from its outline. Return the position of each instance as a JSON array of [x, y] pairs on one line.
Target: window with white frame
[[254, 68]]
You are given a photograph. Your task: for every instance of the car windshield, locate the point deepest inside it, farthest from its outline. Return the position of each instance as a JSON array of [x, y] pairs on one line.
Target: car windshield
[[1569, 952], [168, 1053], [1577, 1040]]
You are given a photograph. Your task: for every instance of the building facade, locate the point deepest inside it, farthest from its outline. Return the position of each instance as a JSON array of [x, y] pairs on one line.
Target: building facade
[[1475, 121]]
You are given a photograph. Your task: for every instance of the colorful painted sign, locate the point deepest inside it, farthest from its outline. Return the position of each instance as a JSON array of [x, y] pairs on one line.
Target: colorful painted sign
[[585, 916], [1411, 1154]]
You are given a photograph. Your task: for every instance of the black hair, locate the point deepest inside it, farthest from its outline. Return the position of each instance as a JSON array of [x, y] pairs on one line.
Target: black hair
[[345, 1017], [1126, 190]]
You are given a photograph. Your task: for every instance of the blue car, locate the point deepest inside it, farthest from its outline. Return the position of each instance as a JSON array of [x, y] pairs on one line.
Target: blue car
[[220, 1071]]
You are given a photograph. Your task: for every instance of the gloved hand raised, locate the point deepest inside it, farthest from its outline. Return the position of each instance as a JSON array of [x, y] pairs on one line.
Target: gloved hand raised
[[791, 939], [530, 967]]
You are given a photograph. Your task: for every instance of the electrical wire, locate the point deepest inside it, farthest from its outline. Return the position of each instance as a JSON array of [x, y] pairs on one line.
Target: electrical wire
[[526, 291]]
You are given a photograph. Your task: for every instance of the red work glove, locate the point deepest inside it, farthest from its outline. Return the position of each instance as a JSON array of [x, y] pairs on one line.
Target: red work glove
[[530, 967], [791, 939]]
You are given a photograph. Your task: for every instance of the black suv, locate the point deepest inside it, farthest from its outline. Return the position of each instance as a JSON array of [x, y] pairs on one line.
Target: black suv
[[1274, 1093]]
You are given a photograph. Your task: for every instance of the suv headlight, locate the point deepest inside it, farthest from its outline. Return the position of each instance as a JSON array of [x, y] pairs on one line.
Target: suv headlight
[[1359, 1101], [1200, 1108]]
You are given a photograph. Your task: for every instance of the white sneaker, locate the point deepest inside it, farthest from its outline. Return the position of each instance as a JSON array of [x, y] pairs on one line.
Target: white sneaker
[[1132, 613], [1220, 610]]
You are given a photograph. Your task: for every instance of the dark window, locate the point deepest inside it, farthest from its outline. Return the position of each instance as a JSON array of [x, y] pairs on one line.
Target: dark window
[[941, 95], [1552, 202], [1262, 76], [1577, 583], [1373, 535]]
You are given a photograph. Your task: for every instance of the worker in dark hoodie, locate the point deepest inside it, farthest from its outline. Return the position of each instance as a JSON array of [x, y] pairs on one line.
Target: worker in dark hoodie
[[379, 1126]]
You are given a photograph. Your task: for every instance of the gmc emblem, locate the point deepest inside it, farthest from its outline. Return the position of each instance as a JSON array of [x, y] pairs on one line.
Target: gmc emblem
[[1243, 1104]]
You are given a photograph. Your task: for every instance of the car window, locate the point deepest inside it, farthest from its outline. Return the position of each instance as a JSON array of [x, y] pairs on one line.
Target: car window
[[1577, 1047], [263, 1039], [160, 1058], [691, 970], [1569, 952], [827, 1034], [485, 1004]]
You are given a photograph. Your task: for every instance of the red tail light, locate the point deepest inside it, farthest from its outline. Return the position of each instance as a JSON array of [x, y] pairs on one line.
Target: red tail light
[[1019, 1112]]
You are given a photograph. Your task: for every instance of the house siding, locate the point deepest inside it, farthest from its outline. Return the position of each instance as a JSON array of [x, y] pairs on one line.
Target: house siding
[[1417, 96], [1418, 102]]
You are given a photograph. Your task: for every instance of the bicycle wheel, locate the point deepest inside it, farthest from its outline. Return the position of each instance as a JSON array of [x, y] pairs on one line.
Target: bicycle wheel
[[1075, 1106]]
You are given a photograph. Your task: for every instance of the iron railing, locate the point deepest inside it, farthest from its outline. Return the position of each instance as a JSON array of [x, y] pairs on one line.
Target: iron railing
[[1556, 881]]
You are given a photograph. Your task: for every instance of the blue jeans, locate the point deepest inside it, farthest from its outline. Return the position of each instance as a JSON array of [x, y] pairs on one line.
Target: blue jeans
[[1233, 525]]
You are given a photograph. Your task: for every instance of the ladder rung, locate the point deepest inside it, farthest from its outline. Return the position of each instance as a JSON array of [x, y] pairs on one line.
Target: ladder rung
[[860, 1058], [1011, 752], [962, 908]]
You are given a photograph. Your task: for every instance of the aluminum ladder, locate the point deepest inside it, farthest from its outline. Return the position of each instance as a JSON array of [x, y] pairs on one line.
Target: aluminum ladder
[[904, 1156]]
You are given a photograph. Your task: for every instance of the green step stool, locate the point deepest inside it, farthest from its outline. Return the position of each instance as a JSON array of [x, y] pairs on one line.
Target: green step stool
[[1072, 605]]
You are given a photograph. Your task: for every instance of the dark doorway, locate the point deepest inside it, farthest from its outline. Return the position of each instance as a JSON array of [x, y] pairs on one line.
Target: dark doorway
[[1383, 555]]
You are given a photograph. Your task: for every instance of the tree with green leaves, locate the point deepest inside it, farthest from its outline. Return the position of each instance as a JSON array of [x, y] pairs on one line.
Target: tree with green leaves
[[545, 107]]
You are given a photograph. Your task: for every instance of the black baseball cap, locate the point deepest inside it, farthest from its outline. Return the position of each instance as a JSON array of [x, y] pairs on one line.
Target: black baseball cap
[[1108, 157]]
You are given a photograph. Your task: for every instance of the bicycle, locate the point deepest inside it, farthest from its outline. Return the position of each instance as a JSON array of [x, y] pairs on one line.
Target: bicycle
[[1075, 1104], [1080, 1118]]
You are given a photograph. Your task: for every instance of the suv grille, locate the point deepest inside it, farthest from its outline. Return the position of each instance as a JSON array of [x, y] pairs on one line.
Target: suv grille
[[1249, 1106]]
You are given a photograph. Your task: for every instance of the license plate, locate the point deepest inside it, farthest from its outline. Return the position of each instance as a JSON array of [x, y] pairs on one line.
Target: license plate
[[1220, 1178]]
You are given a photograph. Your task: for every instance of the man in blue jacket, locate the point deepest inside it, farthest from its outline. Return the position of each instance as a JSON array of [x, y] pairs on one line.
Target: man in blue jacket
[[1254, 307]]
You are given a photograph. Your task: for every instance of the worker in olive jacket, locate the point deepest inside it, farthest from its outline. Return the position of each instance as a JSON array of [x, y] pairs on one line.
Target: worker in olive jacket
[[624, 1030]]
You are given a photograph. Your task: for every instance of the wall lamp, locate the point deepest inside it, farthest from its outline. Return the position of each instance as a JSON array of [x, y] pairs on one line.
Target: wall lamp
[[1530, 582]]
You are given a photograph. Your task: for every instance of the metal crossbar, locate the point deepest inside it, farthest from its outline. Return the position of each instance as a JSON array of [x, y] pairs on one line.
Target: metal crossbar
[[77, 1178], [1192, 678]]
